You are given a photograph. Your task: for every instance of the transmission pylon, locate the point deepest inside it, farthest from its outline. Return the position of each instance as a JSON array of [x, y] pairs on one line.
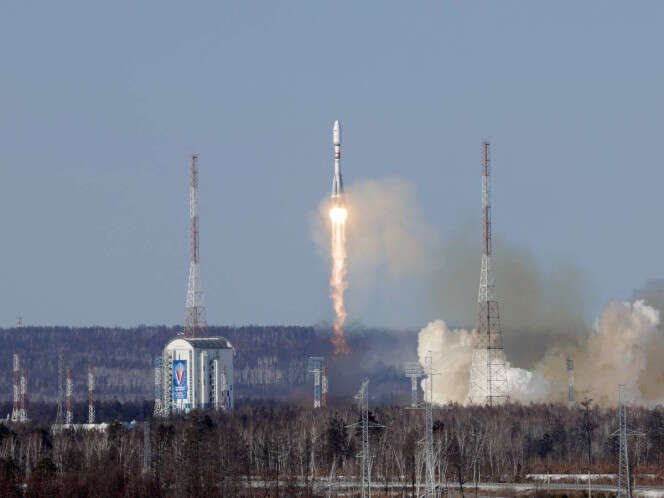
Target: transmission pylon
[[60, 415], [158, 406], [362, 398], [623, 432], [488, 373], [195, 323]]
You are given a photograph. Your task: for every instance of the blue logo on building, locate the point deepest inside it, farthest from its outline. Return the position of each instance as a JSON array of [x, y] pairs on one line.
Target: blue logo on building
[[180, 379]]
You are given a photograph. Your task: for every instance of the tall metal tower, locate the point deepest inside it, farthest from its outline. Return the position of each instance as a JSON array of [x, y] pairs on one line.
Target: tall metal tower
[[323, 386], [414, 371], [60, 416], [488, 373], [571, 399], [315, 366], [623, 432], [429, 455], [19, 321], [147, 448], [23, 412], [91, 393], [362, 398], [158, 407], [16, 409], [195, 323], [69, 393]]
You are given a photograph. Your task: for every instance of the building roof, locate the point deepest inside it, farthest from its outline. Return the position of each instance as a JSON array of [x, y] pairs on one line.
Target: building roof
[[206, 342]]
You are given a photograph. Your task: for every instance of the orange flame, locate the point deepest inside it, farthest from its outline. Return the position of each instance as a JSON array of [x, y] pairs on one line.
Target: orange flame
[[338, 285]]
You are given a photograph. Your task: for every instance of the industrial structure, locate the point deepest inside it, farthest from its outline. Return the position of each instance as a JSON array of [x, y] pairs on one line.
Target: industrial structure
[[571, 397], [19, 391], [316, 365], [16, 378], [414, 372], [158, 404], [60, 415], [197, 373], [195, 323], [69, 398], [623, 432], [488, 373], [91, 393]]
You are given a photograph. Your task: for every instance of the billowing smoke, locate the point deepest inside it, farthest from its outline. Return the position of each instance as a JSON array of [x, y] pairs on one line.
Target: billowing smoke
[[624, 347], [451, 352], [543, 310]]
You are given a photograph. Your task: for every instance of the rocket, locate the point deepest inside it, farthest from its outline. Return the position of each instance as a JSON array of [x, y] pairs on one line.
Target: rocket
[[337, 182]]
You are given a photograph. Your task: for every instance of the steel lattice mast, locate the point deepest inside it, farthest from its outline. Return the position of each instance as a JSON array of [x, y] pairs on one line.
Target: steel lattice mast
[[69, 394], [16, 410], [158, 406], [60, 415], [195, 323], [430, 457], [91, 393], [488, 373]]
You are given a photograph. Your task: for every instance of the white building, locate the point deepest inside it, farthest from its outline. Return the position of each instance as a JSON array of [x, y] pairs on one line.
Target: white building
[[197, 374]]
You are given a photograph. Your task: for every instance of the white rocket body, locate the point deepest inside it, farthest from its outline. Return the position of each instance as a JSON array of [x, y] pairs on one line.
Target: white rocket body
[[337, 182]]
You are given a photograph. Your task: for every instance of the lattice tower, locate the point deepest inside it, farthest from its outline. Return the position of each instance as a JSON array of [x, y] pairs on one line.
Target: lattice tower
[[91, 393], [414, 372], [69, 394], [23, 413], [16, 409], [60, 415], [623, 432], [488, 373], [315, 366], [195, 324], [158, 406]]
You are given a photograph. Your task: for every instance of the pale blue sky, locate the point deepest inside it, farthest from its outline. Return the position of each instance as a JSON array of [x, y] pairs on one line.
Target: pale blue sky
[[102, 103]]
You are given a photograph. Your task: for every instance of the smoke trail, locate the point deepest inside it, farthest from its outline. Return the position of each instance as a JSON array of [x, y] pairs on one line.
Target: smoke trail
[[338, 285]]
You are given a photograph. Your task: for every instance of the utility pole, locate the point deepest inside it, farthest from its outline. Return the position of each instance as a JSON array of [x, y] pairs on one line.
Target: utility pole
[[488, 373]]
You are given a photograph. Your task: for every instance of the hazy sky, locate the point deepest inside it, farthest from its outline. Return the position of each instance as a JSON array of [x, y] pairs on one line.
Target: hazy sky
[[103, 102]]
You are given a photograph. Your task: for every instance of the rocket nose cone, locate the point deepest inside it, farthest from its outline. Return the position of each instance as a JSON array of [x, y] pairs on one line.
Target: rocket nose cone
[[336, 133]]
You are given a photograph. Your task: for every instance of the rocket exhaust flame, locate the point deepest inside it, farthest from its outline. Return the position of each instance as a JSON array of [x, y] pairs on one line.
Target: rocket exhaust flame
[[338, 283], [338, 214]]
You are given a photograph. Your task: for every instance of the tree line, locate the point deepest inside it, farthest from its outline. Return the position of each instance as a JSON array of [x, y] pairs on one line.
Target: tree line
[[274, 449]]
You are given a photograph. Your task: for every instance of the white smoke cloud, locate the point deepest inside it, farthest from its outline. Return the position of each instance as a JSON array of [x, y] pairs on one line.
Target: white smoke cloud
[[451, 352]]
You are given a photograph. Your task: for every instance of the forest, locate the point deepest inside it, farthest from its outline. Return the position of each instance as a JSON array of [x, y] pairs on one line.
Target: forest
[[275, 449], [269, 361]]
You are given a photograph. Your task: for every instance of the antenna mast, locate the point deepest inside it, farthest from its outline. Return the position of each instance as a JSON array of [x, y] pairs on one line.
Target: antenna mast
[[195, 324], [488, 373]]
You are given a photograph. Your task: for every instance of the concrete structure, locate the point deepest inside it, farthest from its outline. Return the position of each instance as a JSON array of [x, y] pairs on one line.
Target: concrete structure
[[197, 373]]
